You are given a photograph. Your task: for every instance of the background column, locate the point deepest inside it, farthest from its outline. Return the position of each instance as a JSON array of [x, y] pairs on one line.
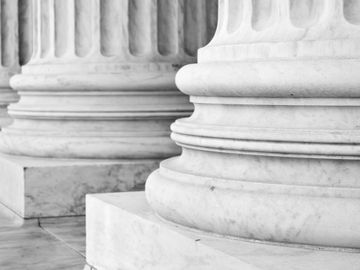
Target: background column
[[100, 82], [97, 98]]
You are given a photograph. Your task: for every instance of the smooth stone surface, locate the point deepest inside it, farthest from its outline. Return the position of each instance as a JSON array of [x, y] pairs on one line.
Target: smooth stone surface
[[123, 233], [284, 199], [32, 248], [9, 218], [35, 187], [70, 230]]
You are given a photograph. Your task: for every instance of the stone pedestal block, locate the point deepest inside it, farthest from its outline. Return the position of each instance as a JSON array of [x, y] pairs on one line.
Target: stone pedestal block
[[36, 187], [123, 233]]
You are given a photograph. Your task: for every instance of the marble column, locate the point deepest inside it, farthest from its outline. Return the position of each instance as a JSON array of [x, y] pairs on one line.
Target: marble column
[[100, 85], [9, 60], [272, 150]]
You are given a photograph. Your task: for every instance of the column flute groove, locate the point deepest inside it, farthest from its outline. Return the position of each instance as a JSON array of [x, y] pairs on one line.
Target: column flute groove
[[9, 59]]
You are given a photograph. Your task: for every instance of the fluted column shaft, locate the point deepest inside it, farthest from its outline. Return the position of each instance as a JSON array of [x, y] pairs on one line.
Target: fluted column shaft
[[9, 60], [100, 82], [271, 151]]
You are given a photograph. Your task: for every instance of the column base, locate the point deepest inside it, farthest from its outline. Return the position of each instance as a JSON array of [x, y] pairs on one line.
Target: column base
[[39, 187], [147, 242]]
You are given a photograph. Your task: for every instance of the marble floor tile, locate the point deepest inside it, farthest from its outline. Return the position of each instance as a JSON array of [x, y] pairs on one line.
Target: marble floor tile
[[42, 244], [70, 230]]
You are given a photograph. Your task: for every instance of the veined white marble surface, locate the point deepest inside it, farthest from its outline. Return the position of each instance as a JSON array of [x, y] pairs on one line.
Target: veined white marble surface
[[39, 187], [42, 244]]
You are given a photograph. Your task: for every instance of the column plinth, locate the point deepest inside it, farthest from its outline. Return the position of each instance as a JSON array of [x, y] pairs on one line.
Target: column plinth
[[271, 151]]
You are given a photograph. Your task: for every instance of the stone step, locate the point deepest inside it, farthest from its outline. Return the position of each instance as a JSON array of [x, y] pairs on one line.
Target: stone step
[[124, 233]]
